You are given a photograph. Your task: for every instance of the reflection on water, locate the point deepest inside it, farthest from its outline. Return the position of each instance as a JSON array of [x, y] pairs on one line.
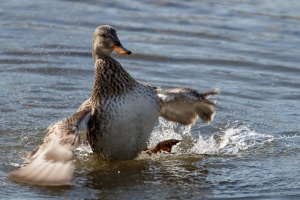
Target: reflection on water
[[247, 49]]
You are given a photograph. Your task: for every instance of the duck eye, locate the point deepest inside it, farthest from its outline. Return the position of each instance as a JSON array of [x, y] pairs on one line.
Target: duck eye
[[103, 35]]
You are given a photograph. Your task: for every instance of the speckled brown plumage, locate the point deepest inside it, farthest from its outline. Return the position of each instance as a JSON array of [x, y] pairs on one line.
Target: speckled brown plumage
[[110, 79]]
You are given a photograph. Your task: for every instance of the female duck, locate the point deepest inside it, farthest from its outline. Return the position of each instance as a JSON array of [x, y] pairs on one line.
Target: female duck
[[118, 117]]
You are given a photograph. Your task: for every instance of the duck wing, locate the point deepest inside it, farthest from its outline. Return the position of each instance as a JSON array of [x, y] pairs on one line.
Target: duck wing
[[85, 105], [51, 163], [185, 105]]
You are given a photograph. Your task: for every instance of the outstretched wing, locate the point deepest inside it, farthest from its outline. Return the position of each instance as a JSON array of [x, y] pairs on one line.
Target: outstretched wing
[[184, 105], [51, 163]]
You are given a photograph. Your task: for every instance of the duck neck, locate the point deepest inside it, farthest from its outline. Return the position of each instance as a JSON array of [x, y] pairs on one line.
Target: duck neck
[[110, 78], [95, 56], [98, 54]]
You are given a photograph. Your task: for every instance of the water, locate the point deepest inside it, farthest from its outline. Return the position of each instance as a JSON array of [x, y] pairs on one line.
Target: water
[[248, 49]]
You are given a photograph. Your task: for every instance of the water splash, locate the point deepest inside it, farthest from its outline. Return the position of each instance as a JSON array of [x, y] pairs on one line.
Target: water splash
[[165, 130], [84, 148], [231, 142]]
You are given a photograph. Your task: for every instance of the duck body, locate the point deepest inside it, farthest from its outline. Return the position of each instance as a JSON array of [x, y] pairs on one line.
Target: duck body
[[122, 119]]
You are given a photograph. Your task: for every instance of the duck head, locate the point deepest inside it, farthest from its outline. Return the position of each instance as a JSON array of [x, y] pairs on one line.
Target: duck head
[[105, 41]]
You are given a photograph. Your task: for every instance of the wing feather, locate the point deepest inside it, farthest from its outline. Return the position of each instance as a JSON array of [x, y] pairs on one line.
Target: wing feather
[[184, 105], [51, 163]]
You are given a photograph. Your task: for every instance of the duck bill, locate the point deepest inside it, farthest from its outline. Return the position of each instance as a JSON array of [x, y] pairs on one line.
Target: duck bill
[[121, 50]]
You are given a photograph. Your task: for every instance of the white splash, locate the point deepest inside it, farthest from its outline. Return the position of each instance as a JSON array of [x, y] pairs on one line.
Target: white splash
[[165, 130], [84, 148], [231, 142]]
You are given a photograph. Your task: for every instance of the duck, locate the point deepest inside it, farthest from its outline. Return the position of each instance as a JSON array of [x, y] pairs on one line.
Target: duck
[[118, 118]]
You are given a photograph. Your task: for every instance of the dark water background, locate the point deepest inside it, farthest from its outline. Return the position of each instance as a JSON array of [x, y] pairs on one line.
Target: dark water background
[[247, 48]]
